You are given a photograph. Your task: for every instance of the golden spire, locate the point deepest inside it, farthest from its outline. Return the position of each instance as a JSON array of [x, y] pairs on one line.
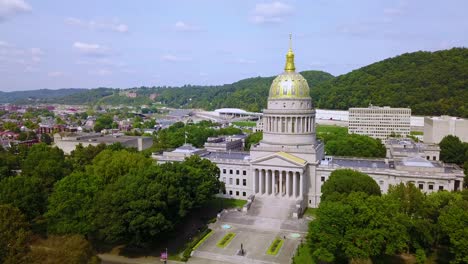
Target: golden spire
[[290, 57]]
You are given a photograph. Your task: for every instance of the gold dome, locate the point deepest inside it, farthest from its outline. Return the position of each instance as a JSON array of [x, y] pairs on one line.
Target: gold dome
[[289, 84]]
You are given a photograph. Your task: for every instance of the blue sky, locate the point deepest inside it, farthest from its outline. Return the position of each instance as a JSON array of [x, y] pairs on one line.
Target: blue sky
[[117, 43]]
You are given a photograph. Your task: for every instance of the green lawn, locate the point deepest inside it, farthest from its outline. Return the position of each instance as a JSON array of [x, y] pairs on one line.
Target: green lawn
[[415, 133], [222, 243], [225, 203], [275, 247], [331, 129], [245, 123], [310, 212], [302, 255]]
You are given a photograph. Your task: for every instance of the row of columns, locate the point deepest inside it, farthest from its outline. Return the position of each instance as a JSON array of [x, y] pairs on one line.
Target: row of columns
[[287, 184], [293, 124]]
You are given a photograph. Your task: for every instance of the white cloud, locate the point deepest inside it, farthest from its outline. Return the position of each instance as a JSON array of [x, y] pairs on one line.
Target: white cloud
[[101, 61], [89, 49], [55, 74], [173, 58], [393, 11], [245, 61], [183, 26], [4, 44], [113, 25], [101, 72], [273, 12], [9, 8]]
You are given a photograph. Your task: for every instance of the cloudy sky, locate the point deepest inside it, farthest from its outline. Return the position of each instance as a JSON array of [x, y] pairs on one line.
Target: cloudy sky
[[122, 43]]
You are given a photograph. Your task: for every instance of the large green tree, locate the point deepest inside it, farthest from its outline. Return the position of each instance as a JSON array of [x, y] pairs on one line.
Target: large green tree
[[454, 222], [14, 236], [45, 163], [344, 181], [452, 150], [142, 206], [70, 209], [25, 193]]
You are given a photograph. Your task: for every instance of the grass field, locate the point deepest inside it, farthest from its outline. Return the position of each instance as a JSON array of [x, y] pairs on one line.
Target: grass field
[[223, 242], [324, 129], [310, 212], [245, 123], [302, 255], [275, 247], [225, 203]]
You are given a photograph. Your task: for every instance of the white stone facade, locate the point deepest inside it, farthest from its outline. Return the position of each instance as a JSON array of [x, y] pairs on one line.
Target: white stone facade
[[379, 122], [436, 128]]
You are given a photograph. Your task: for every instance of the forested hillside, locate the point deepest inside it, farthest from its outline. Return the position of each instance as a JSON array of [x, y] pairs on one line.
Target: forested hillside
[[430, 83], [8, 97]]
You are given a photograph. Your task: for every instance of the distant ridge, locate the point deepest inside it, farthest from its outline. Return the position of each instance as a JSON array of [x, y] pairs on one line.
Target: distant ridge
[[430, 83], [32, 95]]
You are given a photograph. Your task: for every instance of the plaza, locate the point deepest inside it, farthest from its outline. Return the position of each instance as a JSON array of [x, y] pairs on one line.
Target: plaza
[[268, 219]]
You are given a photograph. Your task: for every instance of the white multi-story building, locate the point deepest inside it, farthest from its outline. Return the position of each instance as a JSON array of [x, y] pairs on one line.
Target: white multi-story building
[[436, 128], [289, 163], [380, 122]]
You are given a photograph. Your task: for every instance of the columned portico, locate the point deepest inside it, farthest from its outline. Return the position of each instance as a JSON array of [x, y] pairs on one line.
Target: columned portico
[[278, 183]]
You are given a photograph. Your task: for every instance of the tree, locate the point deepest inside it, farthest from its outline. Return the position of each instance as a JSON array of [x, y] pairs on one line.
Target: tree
[[8, 163], [357, 228], [45, 163], [63, 249], [253, 139], [71, 203], [452, 150], [82, 156], [15, 236], [110, 165], [46, 139], [25, 193], [454, 222], [344, 181], [144, 205]]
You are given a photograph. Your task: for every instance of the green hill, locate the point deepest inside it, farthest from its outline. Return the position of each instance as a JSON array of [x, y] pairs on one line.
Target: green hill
[[430, 83], [34, 95]]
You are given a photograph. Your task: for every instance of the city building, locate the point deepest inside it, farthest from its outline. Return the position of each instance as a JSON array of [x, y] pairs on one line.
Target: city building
[[289, 165], [380, 122], [436, 128], [68, 141]]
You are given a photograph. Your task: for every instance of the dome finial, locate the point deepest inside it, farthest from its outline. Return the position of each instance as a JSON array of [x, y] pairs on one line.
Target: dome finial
[[290, 57], [290, 41]]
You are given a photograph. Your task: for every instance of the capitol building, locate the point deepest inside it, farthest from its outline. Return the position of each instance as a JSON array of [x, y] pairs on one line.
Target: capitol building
[[291, 164]]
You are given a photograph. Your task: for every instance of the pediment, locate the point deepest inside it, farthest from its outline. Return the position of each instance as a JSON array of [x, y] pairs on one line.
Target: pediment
[[280, 159]]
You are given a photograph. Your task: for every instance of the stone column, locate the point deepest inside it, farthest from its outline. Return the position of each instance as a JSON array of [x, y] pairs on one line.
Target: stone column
[[301, 180], [255, 181], [295, 184], [268, 184], [261, 182], [281, 184], [288, 183]]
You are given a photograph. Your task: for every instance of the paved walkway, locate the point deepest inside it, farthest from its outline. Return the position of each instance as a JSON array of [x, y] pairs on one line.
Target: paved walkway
[[255, 230]]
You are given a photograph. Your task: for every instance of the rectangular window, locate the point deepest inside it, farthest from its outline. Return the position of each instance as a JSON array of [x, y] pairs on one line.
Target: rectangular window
[[230, 180], [441, 188], [237, 193], [244, 182], [421, 186], [244, 172], [244, 194], [224, 179], [230, 192], [431, 187], [322, 179], [224, 171], [230, 171], [237, 181]]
